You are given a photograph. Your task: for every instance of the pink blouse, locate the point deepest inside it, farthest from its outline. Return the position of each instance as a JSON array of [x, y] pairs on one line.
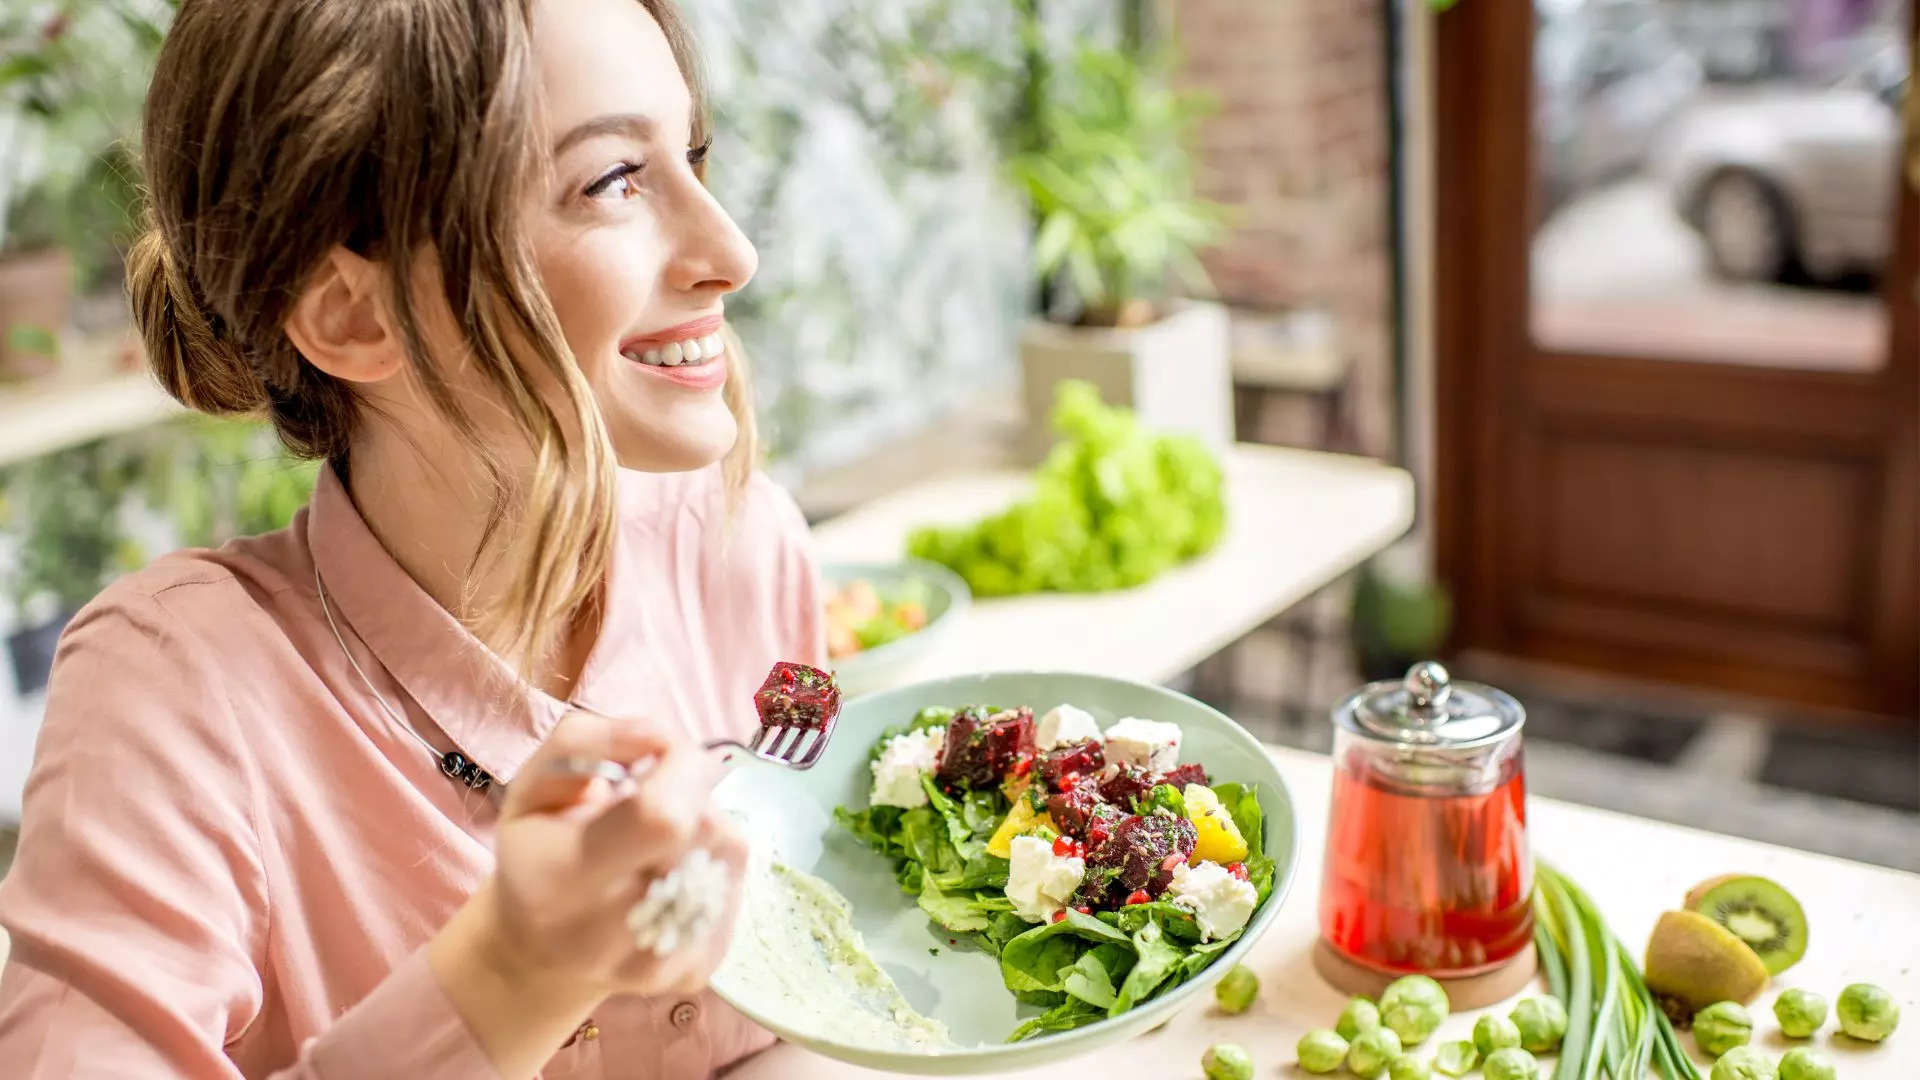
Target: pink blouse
[[231, 857]]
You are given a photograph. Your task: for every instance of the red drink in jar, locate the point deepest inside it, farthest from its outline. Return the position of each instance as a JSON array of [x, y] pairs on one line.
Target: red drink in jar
[[1427, 865]]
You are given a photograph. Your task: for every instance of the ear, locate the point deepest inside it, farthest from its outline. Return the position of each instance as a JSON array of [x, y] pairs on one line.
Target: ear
[[341, 322]]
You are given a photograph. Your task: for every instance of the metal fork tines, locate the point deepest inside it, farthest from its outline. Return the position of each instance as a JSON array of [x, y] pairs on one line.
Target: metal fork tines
[[785, 744]]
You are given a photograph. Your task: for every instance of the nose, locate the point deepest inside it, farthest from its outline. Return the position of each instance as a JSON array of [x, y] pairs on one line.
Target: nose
[[711, 254]]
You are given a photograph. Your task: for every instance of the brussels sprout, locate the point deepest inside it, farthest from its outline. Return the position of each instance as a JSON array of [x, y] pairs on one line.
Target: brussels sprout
[[1722, 1026], [1321, 1051], [1867, 1012], [1361, 1014], [1227, 1061], [1456, 1058], [1235, 991], [1408, 1067], [1511, 1063], [1804, 1064], [1492, 1033], [1742, 1063], [1413, 1006], [1371, 1052], [1542, 1022], [1800, 1012]]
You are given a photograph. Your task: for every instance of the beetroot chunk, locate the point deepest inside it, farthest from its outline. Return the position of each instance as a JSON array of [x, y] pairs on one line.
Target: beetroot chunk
[[1182, 775], [1126, 783], [796, 695], [1141, 853], [1083, 758], [981, 750], [1074, 809]]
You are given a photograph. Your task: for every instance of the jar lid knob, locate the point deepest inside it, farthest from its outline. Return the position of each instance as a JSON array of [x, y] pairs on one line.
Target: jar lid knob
[[1428, 688]]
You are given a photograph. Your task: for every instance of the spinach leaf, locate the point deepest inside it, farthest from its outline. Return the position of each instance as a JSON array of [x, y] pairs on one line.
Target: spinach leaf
[[962, 913], [1159, 959], [878, 827], [1037, 959], [959, 833], [1202, 955], [983, 871], [1066, 1016], [1176, 921], [1005, 927], [1243, 805], [1162, 795], [1091, 977]]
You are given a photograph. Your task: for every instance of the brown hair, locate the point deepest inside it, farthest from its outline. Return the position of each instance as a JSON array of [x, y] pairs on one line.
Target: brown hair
[[275, 131]]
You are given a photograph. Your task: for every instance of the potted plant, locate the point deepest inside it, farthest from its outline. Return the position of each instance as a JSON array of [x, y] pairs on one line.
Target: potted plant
[[64, 509], [71, 82], [1106, 169], [1399, 618]]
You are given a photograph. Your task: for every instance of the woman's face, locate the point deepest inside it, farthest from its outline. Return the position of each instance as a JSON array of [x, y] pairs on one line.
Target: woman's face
[[635, 254]]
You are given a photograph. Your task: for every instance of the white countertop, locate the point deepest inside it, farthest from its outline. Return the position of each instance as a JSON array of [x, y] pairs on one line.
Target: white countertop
[[1297, 520], [1865, 927]]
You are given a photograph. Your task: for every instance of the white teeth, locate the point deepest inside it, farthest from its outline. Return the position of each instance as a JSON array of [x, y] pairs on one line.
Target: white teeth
[[691, 351]]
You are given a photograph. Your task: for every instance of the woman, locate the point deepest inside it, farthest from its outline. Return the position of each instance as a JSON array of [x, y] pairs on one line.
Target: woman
[[460, 250]]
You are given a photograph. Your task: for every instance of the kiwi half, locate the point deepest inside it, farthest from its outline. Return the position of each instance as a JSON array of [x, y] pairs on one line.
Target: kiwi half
[[1760, 913], [1696, 961]]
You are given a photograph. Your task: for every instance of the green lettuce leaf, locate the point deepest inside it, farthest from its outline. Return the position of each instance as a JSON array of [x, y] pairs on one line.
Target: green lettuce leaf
[[1160, 958], [1243, 805], [1038, 959], [1092, 976], [1066, 1016]]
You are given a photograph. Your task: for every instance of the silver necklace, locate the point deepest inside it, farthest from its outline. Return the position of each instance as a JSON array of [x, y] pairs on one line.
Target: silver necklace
[[453, 764]]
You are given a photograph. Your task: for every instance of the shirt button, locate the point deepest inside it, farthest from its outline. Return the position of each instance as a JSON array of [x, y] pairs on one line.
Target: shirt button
[[685, 1014]]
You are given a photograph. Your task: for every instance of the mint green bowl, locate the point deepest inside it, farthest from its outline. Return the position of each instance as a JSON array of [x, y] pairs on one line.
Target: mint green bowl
[[961, 987]]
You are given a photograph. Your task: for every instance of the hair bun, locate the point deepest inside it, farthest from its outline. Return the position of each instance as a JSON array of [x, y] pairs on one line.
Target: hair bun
[[191, 353]]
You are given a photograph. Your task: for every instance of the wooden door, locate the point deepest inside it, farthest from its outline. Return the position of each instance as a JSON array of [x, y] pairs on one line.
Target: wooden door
[[1703, 475]]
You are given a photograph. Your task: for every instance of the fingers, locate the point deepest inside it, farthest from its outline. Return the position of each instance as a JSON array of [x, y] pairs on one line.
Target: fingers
[[551, 779], [651, 827], [687, 968]]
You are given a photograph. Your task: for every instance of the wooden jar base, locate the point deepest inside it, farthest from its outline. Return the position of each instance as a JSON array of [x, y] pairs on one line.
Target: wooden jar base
[[1464, 992]]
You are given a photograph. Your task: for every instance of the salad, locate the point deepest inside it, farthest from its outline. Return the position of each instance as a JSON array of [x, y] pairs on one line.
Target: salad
[[861, 617], [1100, 869]]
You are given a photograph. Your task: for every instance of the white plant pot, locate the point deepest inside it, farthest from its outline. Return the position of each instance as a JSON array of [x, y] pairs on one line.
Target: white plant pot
[[1176, 374]]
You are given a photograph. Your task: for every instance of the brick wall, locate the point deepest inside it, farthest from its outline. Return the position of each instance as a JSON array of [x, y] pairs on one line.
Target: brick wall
[[1298, 147]]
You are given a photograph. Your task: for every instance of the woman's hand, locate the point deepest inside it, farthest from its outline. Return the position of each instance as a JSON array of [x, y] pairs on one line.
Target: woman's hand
[[545, 939]]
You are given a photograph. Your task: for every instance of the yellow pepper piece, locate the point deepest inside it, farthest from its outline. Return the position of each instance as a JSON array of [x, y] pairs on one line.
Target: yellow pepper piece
[[1020, 821], [1217, 838]]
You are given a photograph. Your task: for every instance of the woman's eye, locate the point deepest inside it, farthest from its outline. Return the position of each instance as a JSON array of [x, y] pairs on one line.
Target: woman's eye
[[697, 155], [618, 182]]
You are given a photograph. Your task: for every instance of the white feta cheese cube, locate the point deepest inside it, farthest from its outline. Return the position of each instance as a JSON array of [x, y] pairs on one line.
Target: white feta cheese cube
[[902, 762], [1039, 882], [1220, 902], [1065, 724], [1150, 744]]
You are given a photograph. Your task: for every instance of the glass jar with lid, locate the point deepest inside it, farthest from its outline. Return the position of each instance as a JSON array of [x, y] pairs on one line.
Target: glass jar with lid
[[1427, 865]]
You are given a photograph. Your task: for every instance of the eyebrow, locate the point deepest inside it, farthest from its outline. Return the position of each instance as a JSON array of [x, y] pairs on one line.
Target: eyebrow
[[633, 124]]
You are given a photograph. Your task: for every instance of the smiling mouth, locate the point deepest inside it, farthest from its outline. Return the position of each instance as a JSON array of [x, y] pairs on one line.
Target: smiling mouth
[[687, 352]]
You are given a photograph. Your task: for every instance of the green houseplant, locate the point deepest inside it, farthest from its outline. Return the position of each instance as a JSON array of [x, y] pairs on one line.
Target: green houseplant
[[72, 76], [65, 509], [1104, 163]]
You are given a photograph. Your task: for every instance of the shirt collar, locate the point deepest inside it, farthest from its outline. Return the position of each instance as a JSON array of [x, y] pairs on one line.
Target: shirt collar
[[469, 692]]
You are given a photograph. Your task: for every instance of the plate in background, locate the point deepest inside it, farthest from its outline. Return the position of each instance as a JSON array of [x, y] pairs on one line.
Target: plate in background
[[882, 666]]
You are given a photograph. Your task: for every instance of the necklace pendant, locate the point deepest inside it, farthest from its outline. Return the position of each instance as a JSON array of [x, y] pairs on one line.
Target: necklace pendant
[[458, 767]]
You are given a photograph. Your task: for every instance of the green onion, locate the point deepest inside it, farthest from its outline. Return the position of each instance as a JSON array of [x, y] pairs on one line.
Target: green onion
[[1614, 1026]]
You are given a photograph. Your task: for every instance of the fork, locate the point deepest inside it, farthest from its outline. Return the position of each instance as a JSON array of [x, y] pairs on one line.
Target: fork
[[785, 744], [781, 744]]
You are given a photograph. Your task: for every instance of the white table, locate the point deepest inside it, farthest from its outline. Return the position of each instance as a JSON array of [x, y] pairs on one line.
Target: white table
[[1862, 922], [1297, 520]]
